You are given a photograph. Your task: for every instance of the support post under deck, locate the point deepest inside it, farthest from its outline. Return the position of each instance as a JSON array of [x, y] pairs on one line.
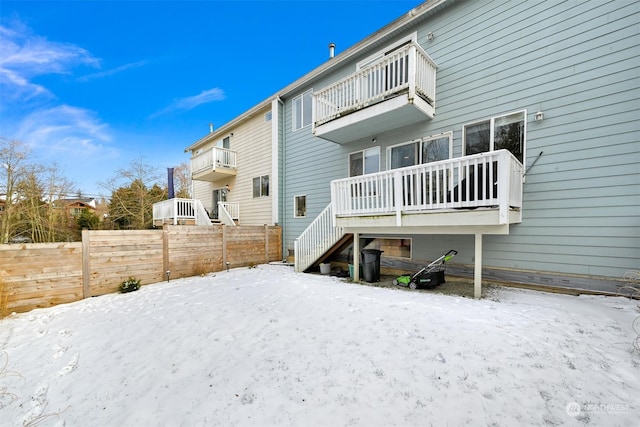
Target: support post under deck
[[477, 271], [356, 257]]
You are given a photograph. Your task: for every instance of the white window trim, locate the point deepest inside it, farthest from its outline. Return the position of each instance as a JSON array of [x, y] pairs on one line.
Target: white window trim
[[261, 196], [390, 147], [491, 132], [413, 37], [448, 134], [295, 210], [293, 111], [363, 159]]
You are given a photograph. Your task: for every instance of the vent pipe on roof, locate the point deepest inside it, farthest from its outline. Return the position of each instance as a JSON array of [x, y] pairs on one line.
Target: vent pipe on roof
[[210, 127], [332, 50]]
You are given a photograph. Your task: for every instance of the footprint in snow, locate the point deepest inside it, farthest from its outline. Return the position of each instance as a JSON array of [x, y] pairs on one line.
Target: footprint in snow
[[60, 350], [38, 404], [65, 333], [70, 367]]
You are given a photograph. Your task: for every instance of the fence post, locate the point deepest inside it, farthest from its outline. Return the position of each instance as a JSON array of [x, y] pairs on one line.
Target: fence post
[[224, 247], [165, 248], [86, 264], [266, 244]]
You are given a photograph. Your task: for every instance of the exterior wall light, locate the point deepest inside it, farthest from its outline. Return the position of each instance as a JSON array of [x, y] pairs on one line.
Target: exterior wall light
[[539, 116]]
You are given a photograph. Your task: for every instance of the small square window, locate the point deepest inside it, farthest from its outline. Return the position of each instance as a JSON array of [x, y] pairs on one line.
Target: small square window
[[300, 207], [267, 116], [261, 186]]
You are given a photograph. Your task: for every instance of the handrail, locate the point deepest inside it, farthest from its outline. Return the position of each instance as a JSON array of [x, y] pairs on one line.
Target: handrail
[[409, 68], [179, 211], [215, 157], [228, 213], [316, 239], [233, 209], [464, 182]]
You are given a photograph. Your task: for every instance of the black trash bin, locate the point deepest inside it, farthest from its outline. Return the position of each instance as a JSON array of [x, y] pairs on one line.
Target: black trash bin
[[371, 265]]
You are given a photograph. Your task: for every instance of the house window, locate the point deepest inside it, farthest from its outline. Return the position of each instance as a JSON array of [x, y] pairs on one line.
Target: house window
[[225, 143], [426, 150], [403, 155], [267, 117], [261, 186], [496, 133], [364, 162], [300, 206], [302, 110], [436, 148]]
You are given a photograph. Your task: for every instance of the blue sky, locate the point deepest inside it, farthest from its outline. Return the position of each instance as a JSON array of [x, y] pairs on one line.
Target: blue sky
[[93, 85]]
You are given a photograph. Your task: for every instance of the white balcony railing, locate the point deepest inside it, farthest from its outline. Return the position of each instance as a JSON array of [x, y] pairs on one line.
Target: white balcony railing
[[212, 159], [180, 211], [492, 179], [408, 69]]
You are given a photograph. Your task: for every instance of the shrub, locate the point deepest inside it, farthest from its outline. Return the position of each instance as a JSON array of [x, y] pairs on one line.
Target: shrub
[[204, 267], [130, 285]]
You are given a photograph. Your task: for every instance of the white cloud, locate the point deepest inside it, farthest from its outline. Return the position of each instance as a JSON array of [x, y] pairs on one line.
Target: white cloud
[[65, 131], [24, 56], [112, 71], [190, 102]]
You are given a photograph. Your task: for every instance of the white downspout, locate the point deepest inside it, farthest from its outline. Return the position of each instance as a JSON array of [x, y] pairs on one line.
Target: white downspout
[[284, 175]]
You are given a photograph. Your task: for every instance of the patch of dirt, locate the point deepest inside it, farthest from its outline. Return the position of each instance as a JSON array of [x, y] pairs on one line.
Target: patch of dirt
[[452, 286]]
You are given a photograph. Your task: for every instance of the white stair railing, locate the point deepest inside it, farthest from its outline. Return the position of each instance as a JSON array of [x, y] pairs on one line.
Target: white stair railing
[[228, 212], [202, 218], [316, 239]]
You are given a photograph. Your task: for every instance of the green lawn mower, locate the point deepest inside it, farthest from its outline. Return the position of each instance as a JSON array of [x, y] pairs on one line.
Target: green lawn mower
[[428, 277]]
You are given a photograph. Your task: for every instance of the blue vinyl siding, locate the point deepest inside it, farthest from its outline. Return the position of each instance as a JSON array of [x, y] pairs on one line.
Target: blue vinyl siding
[[578, 63]]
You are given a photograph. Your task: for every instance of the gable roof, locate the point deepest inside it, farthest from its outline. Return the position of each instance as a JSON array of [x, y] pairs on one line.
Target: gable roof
[[415, 15]]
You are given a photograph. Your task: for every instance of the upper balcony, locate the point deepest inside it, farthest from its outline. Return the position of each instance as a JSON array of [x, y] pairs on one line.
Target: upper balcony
[[395, 91], [214, 164], [481, 193]]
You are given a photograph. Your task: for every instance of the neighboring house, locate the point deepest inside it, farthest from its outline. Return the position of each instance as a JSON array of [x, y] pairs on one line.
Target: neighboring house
[[507, 130], [74, 207], [421, 134], [231, 170]]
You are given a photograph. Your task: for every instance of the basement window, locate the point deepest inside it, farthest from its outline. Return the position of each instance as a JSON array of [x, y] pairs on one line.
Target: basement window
[[392, 247]]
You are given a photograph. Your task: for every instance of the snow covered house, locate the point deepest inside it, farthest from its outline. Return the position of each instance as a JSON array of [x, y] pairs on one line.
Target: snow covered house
[[506, 130]]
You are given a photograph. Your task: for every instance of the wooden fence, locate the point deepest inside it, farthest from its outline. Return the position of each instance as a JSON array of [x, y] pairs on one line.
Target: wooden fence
[[38, 275]]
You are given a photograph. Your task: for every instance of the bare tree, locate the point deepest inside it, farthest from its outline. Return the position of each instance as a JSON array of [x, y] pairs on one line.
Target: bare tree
[[182, 178], [134, 190], [13, 167]]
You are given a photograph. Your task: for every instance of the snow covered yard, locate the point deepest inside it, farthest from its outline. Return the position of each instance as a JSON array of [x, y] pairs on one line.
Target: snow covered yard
[[267, 346]]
